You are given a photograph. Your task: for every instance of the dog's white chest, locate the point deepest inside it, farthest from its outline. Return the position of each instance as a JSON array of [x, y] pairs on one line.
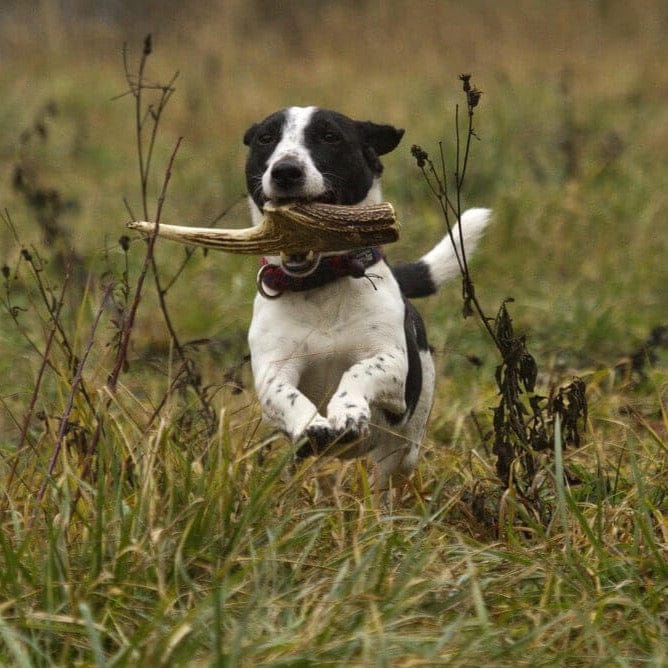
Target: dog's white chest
[[324, 331]]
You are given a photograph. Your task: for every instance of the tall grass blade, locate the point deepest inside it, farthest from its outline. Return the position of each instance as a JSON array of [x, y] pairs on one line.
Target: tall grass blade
[[15, 644]]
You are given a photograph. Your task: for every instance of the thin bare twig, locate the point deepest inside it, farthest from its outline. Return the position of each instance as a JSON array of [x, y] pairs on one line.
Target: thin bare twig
[[78, 377], [190, 252], [148, 261], [45, 362], [145, 150]]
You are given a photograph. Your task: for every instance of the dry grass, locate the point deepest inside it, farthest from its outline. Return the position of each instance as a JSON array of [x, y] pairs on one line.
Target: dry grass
[[196, 540]]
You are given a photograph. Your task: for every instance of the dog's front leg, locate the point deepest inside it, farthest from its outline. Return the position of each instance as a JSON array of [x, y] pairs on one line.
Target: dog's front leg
[[288, 409], [379, 381]]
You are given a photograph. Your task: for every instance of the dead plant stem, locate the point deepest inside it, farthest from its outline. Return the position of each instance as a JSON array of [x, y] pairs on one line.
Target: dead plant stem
[[78, 378]]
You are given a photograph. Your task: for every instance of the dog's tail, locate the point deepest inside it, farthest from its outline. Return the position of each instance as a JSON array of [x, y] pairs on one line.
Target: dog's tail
[[426, 275]]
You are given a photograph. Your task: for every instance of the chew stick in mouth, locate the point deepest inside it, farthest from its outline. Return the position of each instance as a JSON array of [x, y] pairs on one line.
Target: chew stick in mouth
[[294, 228]]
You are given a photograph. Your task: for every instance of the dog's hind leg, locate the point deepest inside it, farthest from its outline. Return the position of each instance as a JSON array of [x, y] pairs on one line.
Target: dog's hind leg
[[396, 453]]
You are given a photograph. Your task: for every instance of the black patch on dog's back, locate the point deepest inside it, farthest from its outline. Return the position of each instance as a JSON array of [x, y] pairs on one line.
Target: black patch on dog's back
[[414, 279], [416, 342]]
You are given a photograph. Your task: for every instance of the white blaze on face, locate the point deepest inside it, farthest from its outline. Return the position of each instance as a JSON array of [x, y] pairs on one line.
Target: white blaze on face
[[293, 146]]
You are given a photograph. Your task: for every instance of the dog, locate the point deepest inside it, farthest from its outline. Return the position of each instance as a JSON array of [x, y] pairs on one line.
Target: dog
[[340, 357]]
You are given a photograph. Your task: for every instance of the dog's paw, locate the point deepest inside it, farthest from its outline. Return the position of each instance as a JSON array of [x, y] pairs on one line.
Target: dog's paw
[[320, 436], [304, 450], [317, 437], [355, 429], [320, 439], [350, 419]]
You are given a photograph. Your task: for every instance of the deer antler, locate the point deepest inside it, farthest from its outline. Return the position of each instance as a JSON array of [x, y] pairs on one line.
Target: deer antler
[[294, 228]]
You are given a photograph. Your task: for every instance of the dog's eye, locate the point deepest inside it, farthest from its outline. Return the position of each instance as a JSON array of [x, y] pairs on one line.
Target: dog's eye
[[331, 138], [266, 138]]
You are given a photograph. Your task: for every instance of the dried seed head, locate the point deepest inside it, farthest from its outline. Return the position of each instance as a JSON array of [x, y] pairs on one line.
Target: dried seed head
[[124, 242], [466, 82], [473, 97], [26, 255], [148, 45], [421, 156]]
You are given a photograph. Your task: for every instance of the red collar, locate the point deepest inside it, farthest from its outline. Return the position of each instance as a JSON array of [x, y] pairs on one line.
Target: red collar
[[329, 269]]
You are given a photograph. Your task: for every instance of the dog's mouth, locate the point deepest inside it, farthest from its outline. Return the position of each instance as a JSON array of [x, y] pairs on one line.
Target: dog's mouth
[[299, 264], [326, 198]]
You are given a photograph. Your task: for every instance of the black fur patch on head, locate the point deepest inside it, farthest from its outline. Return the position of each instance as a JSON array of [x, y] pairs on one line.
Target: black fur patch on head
[[378, 140], [381, 138], [262, 139], [344, 151]]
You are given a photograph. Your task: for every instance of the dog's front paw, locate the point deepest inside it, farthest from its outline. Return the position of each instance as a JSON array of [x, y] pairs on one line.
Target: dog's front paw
[[350, 419], [321, 436], [317, 437], [354, 430]]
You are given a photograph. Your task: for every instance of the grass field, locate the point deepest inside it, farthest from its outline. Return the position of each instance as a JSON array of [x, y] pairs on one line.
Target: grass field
[[149, 518]]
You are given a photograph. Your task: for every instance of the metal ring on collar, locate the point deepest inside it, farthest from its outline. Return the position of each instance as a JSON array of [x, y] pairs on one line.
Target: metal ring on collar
[[260, 285]]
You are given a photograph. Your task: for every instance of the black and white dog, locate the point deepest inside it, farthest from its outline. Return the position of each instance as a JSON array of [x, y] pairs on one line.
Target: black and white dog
[[340, 357]]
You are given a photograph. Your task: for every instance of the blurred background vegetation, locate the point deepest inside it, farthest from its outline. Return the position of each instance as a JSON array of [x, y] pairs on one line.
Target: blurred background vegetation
[[573, 129]]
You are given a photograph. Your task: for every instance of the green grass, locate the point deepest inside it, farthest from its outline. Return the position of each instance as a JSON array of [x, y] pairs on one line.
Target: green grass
[[163, 538]]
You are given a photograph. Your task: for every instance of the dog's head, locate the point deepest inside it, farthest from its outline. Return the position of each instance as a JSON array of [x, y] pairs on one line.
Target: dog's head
[[312, 154]]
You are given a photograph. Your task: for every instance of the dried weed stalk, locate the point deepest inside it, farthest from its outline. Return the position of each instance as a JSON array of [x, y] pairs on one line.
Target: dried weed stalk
[[523, 421], [29, 299], [148, 116], [57, 355]]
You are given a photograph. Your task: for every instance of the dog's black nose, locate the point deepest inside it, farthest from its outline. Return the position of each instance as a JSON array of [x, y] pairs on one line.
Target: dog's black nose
[[287, 174]]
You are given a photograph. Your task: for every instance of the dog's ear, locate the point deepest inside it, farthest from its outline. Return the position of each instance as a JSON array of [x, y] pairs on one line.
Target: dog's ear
[[250, 133], [381, 138]]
